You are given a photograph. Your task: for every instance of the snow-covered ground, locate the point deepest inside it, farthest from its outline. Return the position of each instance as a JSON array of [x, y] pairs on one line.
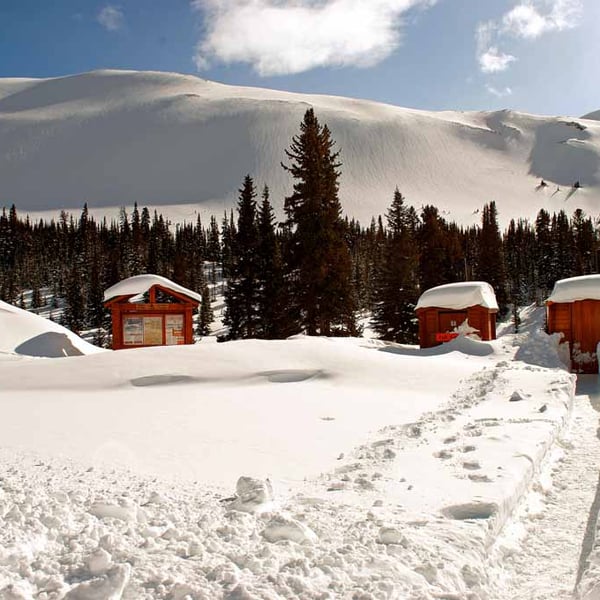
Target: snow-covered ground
[[201, 138], [310, 468]]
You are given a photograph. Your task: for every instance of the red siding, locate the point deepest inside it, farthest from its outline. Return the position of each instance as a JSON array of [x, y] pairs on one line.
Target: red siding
[[441, 320], [579, 322]]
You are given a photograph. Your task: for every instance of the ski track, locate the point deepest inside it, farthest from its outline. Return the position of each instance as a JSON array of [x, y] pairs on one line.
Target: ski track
[[537, 555]]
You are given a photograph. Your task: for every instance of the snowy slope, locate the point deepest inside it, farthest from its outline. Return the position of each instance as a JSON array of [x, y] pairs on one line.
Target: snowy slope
[[26, 334], [594, 116], [184, 144]]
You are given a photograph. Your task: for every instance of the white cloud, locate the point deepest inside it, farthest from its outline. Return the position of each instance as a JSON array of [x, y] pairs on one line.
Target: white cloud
[[528, 19], [499, 93], [111, 17], [280, 37], [494, 61], [491, 59]]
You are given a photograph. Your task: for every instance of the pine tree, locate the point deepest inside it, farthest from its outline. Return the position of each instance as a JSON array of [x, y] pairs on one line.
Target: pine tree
[[74, 315], [205, 317], [433, 261], [213, 243], [241, 296], [396, 288], [491, 266], [563, 246], [545, 275], [272, 297], [585, 243], [95, 296], [320, 262]]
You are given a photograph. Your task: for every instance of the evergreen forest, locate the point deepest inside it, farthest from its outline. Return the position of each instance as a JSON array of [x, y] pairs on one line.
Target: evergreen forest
[[315, 271]]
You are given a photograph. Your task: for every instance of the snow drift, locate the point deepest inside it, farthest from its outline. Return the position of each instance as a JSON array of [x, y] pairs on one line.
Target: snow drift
[[183, 145], [24, 333]]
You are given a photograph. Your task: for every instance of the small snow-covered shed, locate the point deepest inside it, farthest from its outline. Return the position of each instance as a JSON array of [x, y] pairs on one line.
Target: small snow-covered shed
[[573, 309], [150, 310], [446, 310]]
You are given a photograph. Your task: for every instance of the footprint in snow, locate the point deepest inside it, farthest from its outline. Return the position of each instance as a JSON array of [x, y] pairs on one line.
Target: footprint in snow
[[471, 465], [479, 478], [443, 454], [107, 587]]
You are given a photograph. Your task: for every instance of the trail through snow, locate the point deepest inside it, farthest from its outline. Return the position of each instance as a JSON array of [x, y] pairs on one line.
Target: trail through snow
[[538, 554]]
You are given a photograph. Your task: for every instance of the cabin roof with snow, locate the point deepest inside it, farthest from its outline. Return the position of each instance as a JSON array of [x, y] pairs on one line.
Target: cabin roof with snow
[[573, 289], [459, 296], [137, 286]]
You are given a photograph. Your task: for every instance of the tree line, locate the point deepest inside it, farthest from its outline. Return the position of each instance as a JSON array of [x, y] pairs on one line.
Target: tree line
[[315, 272]]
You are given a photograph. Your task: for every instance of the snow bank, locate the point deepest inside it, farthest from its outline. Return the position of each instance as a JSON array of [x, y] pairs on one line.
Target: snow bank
[[22, 332], [584, 287], [459, 296], [139, 284]]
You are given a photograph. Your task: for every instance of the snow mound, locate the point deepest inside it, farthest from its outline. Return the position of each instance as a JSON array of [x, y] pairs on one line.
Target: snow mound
[[467, 345], [106, 587], [252, 495], [462, 344], [453, 160], [30, 335], [585, 287], [138, 285], [459, 296], [543, 350], [281, 528]]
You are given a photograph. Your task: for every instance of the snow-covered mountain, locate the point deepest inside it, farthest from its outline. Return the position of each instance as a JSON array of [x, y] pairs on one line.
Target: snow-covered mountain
[[594, 116], [184, 144]]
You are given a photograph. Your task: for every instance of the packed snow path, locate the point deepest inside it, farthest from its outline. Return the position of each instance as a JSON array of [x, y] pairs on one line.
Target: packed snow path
[[537, 556]]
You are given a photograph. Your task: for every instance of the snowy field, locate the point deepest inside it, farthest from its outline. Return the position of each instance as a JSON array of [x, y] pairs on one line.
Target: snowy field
[[305, 468]]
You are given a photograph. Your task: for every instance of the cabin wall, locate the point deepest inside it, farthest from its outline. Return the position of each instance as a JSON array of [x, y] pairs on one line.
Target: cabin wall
[[440, 320], [579, 322], [483, 320]]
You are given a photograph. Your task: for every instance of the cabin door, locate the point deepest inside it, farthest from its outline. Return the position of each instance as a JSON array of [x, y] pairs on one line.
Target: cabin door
[[450, 320], [586, 335]]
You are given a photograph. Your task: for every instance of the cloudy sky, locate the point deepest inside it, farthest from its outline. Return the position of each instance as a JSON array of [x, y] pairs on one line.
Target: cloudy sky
[[539, 56]]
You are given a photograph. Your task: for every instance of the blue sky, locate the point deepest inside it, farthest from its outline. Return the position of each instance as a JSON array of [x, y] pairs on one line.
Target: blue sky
[[539, 56]]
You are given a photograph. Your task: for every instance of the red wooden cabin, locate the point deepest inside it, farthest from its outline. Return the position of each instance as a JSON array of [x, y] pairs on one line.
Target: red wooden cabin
[[573, 309], [447, 310], [149, 310]]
